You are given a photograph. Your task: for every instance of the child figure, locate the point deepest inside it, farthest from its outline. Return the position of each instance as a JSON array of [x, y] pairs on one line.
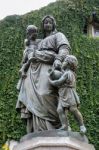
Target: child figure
[[68, 97], [31, 45]]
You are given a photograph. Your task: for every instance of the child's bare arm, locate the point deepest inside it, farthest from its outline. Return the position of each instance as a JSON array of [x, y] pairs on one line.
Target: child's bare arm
[[58, 82]]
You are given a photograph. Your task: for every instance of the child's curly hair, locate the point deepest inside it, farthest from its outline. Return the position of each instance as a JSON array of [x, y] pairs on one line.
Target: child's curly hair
[[29, 29], [70, 62]]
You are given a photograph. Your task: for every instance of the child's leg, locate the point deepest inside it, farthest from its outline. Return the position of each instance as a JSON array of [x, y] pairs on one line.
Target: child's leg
[[63, 117], [22, 69], [22, 72], [26, 66], [78, 116], [66, 114]]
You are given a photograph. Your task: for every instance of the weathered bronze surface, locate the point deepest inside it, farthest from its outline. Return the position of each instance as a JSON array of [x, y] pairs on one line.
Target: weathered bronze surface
[[37, 100]]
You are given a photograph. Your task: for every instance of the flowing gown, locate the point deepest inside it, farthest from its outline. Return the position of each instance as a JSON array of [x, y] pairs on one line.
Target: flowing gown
[[36, 93]]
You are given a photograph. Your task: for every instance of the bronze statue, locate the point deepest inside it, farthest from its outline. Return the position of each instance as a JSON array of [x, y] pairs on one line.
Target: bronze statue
[[65, 80], [37, 100]]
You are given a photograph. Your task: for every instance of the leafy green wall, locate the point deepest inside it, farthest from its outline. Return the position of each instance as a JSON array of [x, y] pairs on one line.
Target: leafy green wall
[[71, 17]]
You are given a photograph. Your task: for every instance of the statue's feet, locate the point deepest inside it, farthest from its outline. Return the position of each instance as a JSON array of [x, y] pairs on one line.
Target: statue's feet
[[69, 128], [63, 127], [83, 129]]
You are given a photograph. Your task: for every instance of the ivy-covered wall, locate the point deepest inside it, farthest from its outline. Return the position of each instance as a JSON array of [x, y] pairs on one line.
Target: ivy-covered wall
[[71, 17]]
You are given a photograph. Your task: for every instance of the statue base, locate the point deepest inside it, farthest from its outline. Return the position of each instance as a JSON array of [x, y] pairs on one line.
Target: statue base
[[54, 140]]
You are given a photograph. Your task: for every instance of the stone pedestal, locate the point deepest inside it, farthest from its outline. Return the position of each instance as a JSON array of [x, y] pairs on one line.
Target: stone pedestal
[[54, 140]]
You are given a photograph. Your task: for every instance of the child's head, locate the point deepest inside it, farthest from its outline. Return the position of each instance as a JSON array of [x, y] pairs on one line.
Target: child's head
[[31, 32], [70, 62]]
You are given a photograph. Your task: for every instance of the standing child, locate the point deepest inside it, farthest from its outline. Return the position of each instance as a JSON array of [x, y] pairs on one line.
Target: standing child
[[68, 97]]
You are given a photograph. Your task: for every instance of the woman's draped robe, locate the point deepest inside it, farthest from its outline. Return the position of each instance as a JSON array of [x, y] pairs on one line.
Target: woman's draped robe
[[36, 93]]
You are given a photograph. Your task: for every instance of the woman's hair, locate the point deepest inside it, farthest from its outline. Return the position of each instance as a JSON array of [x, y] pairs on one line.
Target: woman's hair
[[53, 21], [70, 62]]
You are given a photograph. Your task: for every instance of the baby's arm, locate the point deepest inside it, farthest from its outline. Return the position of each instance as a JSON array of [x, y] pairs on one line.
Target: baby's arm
[[60, 81]]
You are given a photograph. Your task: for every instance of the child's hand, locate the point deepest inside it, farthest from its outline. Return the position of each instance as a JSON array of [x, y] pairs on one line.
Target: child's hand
[[57, 64], [53, 82]]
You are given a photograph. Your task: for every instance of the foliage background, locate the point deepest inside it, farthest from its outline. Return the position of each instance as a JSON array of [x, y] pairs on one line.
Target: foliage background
[[71, 17]]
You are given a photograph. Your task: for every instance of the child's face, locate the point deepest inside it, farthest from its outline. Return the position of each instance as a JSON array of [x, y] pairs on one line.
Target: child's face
[[64, 65], [32, 34]]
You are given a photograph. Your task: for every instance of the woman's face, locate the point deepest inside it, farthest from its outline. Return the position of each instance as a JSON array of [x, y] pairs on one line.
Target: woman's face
[[48, 24]]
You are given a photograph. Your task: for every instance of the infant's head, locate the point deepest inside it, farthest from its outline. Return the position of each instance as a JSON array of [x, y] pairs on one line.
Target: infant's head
[[70, 62], [32, 32]]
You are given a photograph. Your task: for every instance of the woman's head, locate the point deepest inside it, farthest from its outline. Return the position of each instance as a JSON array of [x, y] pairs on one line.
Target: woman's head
[[48, 23], [70, 62]]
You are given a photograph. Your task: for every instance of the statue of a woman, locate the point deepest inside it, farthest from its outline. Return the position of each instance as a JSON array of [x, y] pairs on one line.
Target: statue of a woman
[[37, 95]]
